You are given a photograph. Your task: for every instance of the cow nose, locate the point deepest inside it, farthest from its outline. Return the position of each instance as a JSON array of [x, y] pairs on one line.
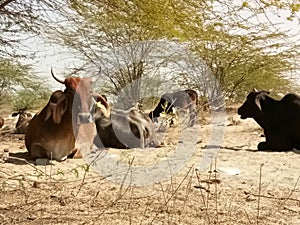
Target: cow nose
[[84, 118]]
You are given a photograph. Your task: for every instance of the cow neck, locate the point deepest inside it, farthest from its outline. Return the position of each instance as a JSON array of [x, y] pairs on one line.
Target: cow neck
[[268, 106]]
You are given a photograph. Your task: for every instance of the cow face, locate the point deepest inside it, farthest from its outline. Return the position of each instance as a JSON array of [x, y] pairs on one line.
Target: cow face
[[82, 87], [79, 93], [252, 107], [82, 102], [82, 109]]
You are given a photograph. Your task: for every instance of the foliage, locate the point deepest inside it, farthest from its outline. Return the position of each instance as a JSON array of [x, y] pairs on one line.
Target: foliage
[[18, 82], [13, 75], [244, 52], [30, 99], [21, 20], [239, 65], [117, 36], [240, 44]]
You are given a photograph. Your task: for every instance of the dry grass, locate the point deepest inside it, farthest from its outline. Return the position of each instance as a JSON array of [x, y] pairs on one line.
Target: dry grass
[[265, 192], [83, 197]]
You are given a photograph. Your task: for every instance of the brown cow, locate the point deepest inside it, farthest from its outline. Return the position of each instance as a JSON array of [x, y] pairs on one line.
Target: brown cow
[[65, 124], [23, 121], [1, 122]]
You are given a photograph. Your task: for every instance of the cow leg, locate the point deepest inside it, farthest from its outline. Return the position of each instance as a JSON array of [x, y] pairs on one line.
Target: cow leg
[[280, 145], [263, 146], [275, 140], [75, 154], [37, 151]]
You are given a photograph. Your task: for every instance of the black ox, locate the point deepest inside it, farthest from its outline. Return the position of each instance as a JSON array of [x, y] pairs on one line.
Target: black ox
[[124, 129], [279, 119], [187, 99]]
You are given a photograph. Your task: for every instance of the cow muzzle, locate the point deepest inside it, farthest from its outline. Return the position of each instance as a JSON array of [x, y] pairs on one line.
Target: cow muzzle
[[84, 118], [242, 114]]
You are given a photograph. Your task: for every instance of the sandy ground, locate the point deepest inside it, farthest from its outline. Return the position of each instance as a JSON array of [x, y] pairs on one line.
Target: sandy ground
[[156, 186]]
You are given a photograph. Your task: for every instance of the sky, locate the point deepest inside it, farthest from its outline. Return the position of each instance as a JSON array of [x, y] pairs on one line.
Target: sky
[[49, 56]]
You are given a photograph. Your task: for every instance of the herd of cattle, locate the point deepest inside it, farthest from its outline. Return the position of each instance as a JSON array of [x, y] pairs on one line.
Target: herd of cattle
[[77, 118]]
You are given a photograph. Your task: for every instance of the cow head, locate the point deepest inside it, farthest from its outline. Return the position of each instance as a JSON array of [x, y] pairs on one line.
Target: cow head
[[78, 97], [252, 106]]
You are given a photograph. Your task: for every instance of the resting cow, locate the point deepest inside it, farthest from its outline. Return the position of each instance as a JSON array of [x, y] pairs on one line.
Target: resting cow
[[279, 119], [1, 122], [65, 123], [187, 99], [23, 121], [124, 129]]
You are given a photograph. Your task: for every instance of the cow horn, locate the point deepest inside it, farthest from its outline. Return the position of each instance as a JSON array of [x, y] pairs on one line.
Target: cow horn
[[55, 78], [255, 90]]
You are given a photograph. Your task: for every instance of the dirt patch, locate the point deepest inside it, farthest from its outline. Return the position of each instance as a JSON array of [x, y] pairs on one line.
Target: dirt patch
[[243, 186]]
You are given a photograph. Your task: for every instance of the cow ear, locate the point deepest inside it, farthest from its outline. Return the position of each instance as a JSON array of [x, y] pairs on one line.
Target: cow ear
[[48, 112], [60, 109], [57, 106], [102, 104], [257, 101]]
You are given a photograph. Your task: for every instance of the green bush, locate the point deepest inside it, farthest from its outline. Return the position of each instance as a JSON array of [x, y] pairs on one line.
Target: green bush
[[30, 99]]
